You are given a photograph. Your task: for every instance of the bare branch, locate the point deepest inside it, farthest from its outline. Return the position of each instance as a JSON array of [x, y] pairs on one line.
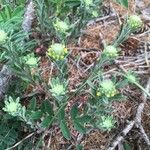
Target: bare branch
[[120, 137], [28, 136], [136, 121]]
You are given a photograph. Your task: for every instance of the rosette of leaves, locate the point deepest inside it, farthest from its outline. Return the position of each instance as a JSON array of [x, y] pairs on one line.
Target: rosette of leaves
[[57, 51], [58, 88]]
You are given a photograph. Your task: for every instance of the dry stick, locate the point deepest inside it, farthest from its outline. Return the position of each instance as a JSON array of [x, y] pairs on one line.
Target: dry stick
[[125, 131], [31, 134], [136, 121], [139, 113]]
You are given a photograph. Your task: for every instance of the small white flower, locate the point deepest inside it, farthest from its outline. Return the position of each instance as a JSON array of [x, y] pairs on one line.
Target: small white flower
[[111, 51]]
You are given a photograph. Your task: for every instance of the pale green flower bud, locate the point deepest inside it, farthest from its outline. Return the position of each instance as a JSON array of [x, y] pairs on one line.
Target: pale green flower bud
[[111, 51], [57, 88], [107, 123], [61, 26], [134, 22], [131, 77], [57, 51], [107, 88], [31, 60]]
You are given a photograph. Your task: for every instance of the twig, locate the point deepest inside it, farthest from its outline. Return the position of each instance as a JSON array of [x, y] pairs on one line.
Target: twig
[[139, 113], [20, 141], [136, 121], [119, 138]]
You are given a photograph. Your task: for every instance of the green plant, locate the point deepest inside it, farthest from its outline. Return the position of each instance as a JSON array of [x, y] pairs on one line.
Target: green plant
[[15, 109], [131, 24], [64, 18], [58, 89], [38, 104], [131, 78]]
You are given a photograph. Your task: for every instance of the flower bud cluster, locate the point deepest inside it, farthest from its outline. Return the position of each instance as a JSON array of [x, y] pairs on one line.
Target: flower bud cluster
[[107, 88], [57, 51]]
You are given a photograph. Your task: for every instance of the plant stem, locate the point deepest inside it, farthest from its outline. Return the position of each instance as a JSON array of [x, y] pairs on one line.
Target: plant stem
[[139, 86]]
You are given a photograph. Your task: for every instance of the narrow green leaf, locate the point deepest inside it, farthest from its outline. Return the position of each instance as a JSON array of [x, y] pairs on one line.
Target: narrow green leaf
[[32, 105], [127, 146], [8, 11], [18, 11], [123, 3], [65, 130], [122, 84], [79, 127], [79, 147], [48, 107], [36, 115], [83, 119], [74, 111], [72, 3], [46, 122], [61, 114]]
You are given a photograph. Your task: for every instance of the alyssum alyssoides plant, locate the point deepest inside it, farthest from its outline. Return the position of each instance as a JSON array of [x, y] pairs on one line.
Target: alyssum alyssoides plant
[[96, 112]]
